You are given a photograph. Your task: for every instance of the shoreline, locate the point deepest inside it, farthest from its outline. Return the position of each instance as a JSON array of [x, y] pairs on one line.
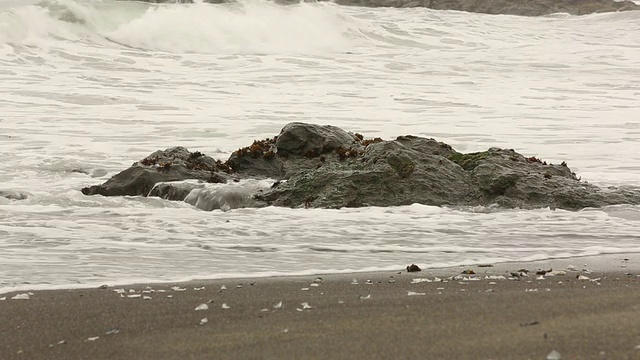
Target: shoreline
[[433, 314], [603, 263]]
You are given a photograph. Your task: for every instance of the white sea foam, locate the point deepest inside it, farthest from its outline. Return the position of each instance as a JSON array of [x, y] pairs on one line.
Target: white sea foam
[[89, 87]]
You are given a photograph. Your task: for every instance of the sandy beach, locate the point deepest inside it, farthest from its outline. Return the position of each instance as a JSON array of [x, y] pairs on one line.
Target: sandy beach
[[586, 308]]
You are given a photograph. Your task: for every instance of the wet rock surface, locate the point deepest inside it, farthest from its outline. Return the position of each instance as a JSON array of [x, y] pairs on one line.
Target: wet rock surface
[[506, 7], [174, 164], [316, 166]]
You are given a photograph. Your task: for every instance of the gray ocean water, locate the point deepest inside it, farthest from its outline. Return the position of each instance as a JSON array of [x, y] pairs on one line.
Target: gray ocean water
[[89, 87]]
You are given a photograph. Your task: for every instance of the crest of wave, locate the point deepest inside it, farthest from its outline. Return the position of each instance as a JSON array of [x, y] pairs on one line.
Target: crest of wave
[[31, 24], [252, 27]]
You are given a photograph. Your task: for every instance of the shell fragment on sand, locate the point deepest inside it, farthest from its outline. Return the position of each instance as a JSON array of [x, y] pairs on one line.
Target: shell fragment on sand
[[202, 307], [420, 280], [554, 355], [413, 293], [203, 321], [24, 296], [225, 306]]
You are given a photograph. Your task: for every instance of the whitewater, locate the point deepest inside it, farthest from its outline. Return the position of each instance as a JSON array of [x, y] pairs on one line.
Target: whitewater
[[89, 87]]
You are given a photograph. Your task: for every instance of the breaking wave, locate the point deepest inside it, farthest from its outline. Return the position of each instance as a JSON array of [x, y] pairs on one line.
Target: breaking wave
[[244, 27]]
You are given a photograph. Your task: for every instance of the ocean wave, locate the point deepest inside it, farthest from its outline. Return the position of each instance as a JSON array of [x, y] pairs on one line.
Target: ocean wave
[[243, 27]]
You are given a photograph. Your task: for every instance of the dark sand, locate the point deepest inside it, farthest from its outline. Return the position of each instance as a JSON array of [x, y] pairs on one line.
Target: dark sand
[[458, 319]]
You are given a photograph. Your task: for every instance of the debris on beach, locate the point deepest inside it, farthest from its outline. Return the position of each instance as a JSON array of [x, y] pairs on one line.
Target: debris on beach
[[317, 280], [582, 277], [543, 272], [3, 298], [364, 297], [134, 295], [203, 321], [420, 280], [314, 285], [413, 293], [198, 288], [413, 268], [554, 355], [239, 286], [112, 331], [354, 282], [225, 306], [24, 296], [530, 323], [223, 287], [169, 296], [278, 305], [62, 342], [146, 298], [485, 265], [132, 291], [369, 282], [540, 277], [306, 306], [305, 289], [202, 307], [93, 338], [468, 272], [119, 291], [178, 288]]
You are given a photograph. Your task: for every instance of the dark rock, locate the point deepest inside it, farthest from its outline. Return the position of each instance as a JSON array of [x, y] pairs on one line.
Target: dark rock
[[325, 167], [413, 268], [506, 7], [298, 147], [174, 164]]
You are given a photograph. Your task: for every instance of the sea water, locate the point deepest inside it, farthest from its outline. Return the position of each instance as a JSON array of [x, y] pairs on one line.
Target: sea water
[[89, 87]]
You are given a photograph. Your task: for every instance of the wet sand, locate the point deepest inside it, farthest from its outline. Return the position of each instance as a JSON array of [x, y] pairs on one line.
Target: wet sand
[[377, 318]]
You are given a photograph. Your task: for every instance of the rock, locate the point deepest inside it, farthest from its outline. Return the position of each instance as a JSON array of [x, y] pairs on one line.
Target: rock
[[401, 172], [174, 164], [506, 7], [413, 268], [298, 147], [326, 167]]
